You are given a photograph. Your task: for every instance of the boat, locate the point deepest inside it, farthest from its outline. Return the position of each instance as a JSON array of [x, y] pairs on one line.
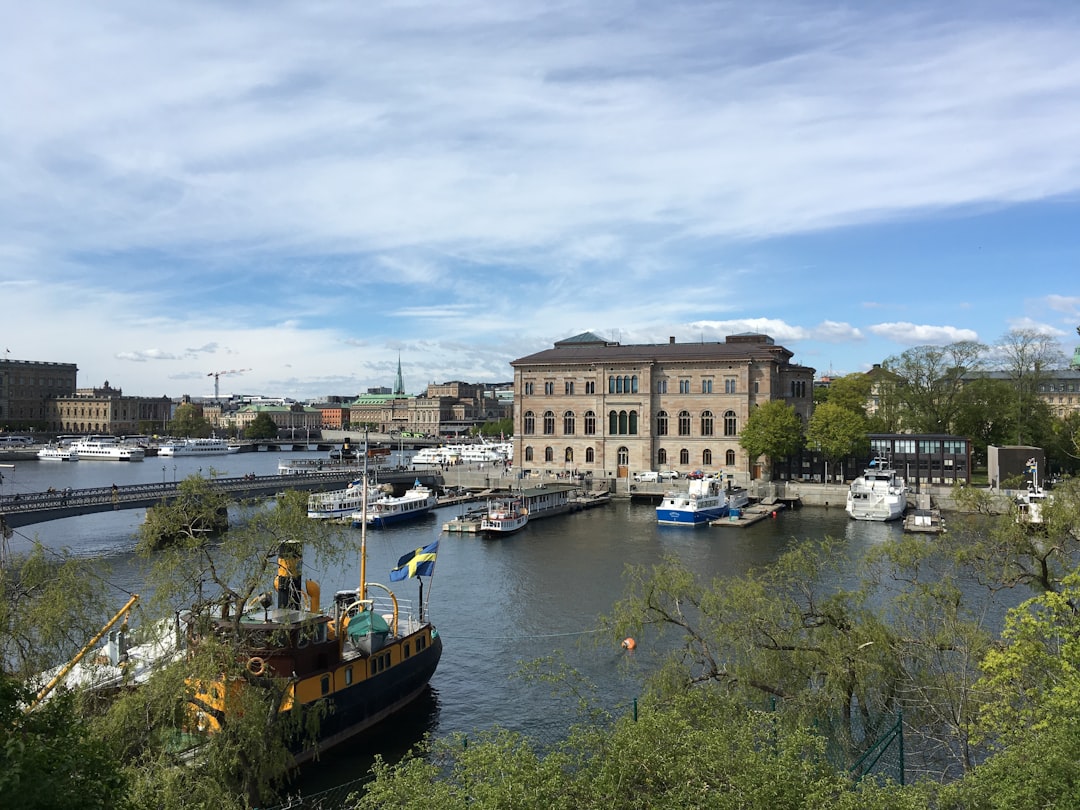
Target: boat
[[106, 448], [504, 516], [416, 502], [705, 500], [57, 452], [878, 494], [338, 503], [1029, 504], [198, 447], [366, 657], [443, 456]]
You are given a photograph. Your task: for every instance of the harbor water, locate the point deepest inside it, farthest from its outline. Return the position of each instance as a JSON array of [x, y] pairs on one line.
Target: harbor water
[[496, 603]]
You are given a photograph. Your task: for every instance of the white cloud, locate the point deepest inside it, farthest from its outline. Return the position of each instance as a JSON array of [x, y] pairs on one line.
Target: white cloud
[[911, 334]]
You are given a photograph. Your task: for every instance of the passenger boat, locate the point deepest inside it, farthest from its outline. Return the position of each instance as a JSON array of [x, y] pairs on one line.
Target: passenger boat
[[197, 447], [705, 500], [415, 503], [878, 494], [338, 503], [436, 457], [57, 452], [106, 448], [504, 516]]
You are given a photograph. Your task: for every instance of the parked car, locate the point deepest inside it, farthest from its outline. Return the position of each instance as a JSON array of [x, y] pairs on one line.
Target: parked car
[[647, 476], [696, 475], [669, 475]]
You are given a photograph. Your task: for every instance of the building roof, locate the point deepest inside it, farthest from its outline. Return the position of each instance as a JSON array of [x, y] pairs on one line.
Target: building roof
[[588, 349]]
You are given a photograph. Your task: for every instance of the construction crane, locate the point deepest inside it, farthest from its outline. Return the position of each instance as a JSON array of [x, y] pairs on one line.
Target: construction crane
[[218, 374]]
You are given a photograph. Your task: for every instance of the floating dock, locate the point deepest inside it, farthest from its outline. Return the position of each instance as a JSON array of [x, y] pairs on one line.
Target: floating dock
[[750, 515]]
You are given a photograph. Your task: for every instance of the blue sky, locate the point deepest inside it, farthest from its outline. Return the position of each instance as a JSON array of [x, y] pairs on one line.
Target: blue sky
[[309, 190]]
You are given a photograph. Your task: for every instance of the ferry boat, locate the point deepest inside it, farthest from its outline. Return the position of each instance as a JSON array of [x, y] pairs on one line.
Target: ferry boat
[[878, 494], [705, 500], [106, 448], [57, 452], [198, 447], [338, 503], [436, 457], [415, 503], [504, 516]]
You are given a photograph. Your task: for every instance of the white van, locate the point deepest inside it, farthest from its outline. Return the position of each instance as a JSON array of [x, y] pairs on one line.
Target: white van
[[647, 476]]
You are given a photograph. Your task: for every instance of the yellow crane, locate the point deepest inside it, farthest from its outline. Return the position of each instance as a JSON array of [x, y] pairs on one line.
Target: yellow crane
[[218, 374]]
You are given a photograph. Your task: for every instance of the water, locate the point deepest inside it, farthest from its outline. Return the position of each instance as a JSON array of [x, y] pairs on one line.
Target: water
[[496, 603]]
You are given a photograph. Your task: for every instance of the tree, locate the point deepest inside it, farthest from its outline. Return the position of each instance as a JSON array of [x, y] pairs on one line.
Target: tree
[[198, 511], [773, 429], [932, 379], [851, 392], [838, 432], [188, 421], [262, 427], [984, 414], [1026, 355]]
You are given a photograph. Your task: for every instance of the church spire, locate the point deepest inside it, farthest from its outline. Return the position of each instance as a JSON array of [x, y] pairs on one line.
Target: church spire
[[399, 383]]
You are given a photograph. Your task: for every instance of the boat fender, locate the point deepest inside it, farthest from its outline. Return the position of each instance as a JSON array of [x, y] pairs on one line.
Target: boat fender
[[256, 666], [628, 644]]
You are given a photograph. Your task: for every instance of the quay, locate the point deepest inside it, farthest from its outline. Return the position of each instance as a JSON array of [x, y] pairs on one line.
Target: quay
[[752, 514]]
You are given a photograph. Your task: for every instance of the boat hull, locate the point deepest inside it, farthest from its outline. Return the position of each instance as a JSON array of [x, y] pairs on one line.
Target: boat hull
[[379, 521]]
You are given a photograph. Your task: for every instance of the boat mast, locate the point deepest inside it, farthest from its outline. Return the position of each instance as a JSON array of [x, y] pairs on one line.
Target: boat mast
[[362, 592]]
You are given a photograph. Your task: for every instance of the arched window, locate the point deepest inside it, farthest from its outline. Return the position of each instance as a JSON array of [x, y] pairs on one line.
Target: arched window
[[731, 458], [530, 423], [633, 423], [613, 423], [622, 423], [618, 385], [549, 454], [528, 454], [684, 456], [568, 423], [623, 455], [684, 423], [633, 384], [590, 455], [731, 427], [549, 423], [590, 423], [707, 423], [568, 455], [661, 456], [706, 458], [661, 423], [611, 385]]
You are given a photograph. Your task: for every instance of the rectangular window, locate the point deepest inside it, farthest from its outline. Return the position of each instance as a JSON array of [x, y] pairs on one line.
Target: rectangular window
[[684, 386], [661, 386], [729, 385], [706, 386], [569, 388]]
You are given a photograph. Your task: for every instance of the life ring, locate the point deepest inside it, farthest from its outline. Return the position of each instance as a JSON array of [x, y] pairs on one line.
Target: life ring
[[628, 644], [256, 666]]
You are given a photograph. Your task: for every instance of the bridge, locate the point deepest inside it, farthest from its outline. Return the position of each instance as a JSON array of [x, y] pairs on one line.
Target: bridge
[[37, 507]]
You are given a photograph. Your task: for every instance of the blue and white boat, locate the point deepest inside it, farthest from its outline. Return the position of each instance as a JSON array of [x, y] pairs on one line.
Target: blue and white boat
[[339, 503], [705, 500], [415, 503]]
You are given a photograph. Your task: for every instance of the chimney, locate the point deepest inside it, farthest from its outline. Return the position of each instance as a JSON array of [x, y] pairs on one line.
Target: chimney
[[671, 340]]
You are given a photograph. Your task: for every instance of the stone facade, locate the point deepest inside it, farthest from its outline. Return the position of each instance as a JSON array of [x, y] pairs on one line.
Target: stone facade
[[106, 410], [443, 409], [28, 389], [591, 405]]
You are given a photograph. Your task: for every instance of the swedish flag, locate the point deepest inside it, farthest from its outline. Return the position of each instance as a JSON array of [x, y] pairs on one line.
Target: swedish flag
[[417, 563]]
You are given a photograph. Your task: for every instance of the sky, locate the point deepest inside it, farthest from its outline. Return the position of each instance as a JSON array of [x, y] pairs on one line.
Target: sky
[[294, 195]]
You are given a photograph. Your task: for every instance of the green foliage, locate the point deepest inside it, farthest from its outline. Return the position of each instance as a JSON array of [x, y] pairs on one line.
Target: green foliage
[[195, 515], [188, 421], [851, 392], [772, 430], [49, 759], [261, 427], [931, 379], [838, 431], [497, 427], [984, 414]]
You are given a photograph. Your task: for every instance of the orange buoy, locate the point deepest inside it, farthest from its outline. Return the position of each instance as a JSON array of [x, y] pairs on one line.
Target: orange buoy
[[628, 644]]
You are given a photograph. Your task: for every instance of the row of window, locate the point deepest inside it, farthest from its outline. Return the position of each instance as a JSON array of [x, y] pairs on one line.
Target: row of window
[[623, 456], [624, 423], [950, 447], [628, 384]]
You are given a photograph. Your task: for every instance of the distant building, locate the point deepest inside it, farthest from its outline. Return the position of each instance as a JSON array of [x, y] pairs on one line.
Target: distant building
[[444, 409], [106, 410], [589, 404], [27, 390], [299, 420], [920, 458]]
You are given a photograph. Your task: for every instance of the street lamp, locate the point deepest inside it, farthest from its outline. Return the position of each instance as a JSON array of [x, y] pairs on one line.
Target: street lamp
[[163, 474]]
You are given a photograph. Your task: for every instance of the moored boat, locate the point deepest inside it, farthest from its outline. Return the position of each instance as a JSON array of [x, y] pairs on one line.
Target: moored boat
[[197, 447], [338, 503], [57, 452], [878, 494], [504, 516], [106, 448], [705, 500], [1029, 504], [416, 502]]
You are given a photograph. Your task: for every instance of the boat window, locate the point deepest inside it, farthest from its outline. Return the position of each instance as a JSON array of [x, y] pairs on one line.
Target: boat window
[[405, 650], [348, 676], [324, 684]]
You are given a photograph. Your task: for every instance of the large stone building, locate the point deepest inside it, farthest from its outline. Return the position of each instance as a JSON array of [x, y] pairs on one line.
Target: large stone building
[[593, 405], [27, 389], [444, 409], [106, 410]]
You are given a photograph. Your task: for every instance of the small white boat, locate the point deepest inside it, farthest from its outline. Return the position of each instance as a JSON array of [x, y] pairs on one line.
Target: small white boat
[[504, 516], [57, 452], [106, 448], [878, 494], [1029, 505], [197, 447], [415, 503]]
